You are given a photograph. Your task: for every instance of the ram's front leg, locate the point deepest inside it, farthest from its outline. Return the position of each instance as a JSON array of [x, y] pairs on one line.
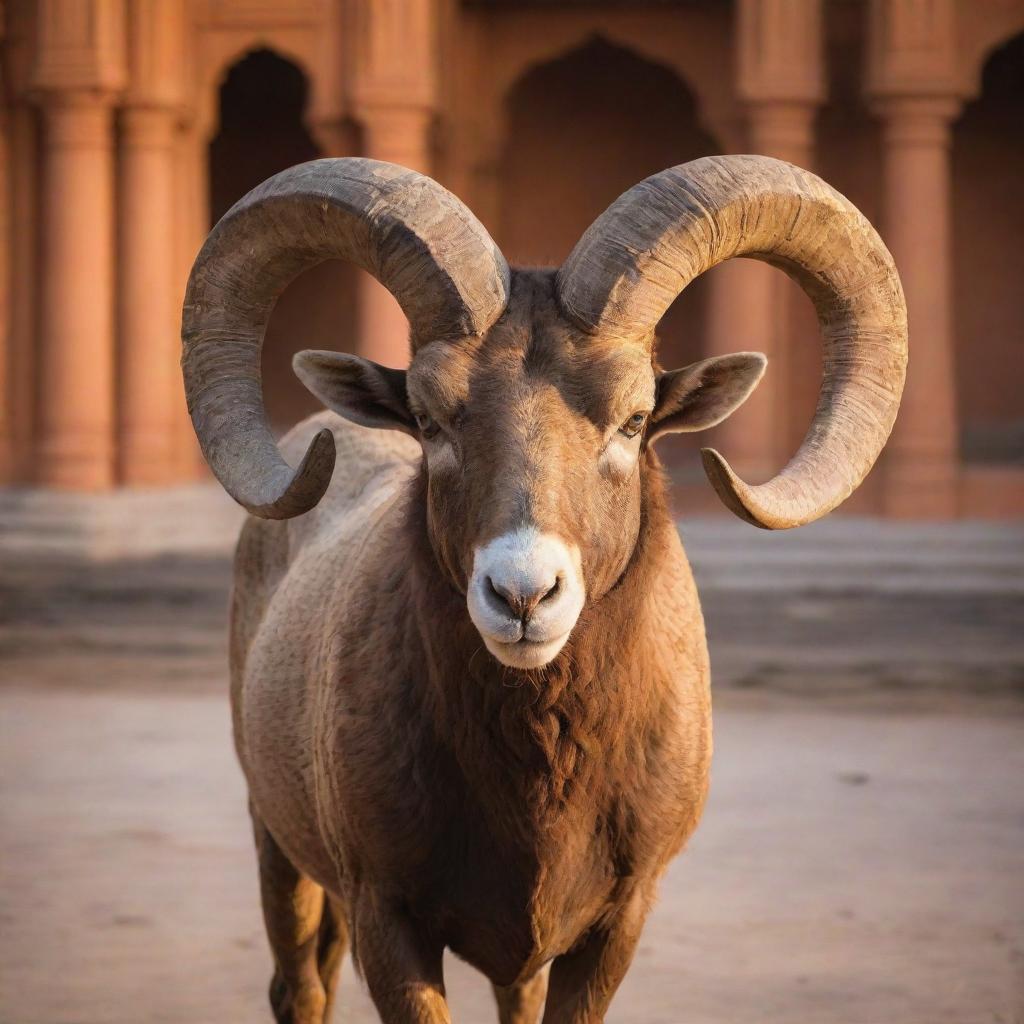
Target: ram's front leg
[[401, 964], [521, 1003], [582, 982]]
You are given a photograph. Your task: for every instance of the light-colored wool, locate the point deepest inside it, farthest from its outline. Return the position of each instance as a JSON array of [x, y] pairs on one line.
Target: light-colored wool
[[420, 776]]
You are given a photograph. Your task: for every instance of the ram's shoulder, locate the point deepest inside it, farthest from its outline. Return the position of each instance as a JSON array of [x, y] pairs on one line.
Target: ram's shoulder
[[363, 455], [362, 451]]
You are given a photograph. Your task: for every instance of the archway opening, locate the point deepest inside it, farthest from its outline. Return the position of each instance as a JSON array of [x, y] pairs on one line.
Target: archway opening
[[581, 129], [262, 103], [988, 224]]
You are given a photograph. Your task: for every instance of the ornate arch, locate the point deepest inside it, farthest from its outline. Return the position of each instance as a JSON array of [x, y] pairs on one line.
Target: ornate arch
[[981, 37], [988, 215], [219, 55], [556, 113], [690, 65], [500, 50]]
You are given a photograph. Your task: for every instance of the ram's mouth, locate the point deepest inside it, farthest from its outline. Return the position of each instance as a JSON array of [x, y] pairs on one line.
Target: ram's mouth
[[525, 653]]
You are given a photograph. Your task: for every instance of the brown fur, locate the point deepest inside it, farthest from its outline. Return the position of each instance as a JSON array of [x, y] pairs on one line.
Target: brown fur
[[438, 797]]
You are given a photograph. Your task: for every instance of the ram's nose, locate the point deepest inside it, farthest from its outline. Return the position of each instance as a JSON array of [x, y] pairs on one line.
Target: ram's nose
[[525, 595], [518, 594]]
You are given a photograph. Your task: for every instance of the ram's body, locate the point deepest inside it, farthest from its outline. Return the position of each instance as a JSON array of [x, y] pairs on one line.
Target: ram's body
[[469, 677], [384, 752]]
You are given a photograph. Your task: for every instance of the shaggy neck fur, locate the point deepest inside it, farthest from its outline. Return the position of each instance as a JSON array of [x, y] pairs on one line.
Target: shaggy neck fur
[[544, 735]]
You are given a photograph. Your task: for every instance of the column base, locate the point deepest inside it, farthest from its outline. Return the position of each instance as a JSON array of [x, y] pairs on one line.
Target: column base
[[917, 493], [147, 464], [8, 462], [68, 467]]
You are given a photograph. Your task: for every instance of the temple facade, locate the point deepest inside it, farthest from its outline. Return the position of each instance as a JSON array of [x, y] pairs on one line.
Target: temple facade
[[129, 126]]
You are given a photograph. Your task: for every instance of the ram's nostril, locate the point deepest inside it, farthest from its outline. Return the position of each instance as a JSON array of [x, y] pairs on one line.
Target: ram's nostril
[[521, 602], [499, 593]]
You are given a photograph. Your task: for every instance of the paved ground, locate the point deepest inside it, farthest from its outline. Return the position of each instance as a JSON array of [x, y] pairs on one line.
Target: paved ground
[[861, 860]]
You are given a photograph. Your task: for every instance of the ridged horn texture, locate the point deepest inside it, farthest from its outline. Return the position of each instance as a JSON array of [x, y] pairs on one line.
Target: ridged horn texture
[[656, 238], [415, 237]]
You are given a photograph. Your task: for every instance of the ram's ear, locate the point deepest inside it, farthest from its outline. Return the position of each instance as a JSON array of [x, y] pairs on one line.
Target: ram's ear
[[357, 389], [703, 394]]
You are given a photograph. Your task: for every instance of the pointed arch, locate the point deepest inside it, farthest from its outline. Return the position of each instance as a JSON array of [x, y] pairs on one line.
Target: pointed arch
[[262, 101], [988, 223], [581, 129]]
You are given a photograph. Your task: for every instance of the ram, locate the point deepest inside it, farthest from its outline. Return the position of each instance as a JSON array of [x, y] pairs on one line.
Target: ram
[[469, 674]]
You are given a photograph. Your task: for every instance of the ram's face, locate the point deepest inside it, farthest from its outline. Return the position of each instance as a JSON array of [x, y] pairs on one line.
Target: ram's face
[[532, 438], [535, 437]]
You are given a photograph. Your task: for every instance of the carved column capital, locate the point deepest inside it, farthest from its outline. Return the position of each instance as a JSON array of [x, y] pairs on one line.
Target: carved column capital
[[912, 49], [780, 74], [77, 120], [779, 51], [155, 53], [917, 120], [394, 51], [148, 127], [80, 47]]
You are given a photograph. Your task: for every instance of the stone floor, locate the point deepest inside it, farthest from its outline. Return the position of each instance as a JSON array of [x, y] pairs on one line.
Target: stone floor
[[860, 860]]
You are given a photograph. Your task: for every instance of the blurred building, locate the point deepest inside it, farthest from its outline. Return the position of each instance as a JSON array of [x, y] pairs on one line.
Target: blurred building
[[129, 126]]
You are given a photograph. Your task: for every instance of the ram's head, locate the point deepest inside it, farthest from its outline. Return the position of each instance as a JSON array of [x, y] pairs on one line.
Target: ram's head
[[536, 394]]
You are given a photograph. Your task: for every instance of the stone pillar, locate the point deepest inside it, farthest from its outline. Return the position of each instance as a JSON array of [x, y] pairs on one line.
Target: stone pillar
[[79, 71], [327, 117], [76, 336], [914, 88], [475, 160], [21, 174], [393, 92], [150, 396], [6, 419], [399, 136], [742, 312], [780, 83], [192, 223], [148, 377]]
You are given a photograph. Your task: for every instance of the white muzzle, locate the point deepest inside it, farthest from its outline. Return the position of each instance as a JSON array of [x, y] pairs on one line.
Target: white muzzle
[[525, 595]]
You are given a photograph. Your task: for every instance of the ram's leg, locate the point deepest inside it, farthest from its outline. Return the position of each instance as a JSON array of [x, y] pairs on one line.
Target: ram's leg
[[401, 964], [522, 1003], [292, 909], [331, 949], [583, 981]]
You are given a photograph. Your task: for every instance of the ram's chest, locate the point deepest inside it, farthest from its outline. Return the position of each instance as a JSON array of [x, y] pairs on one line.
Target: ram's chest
[[517, 901], [512, 891]]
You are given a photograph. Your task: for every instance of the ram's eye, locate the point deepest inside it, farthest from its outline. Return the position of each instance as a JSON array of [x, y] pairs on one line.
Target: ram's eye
[[634, 424], [427, 427]]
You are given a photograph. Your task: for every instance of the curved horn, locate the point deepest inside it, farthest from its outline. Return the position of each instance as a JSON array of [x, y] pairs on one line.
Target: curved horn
[[657, 237], [415, 237]]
